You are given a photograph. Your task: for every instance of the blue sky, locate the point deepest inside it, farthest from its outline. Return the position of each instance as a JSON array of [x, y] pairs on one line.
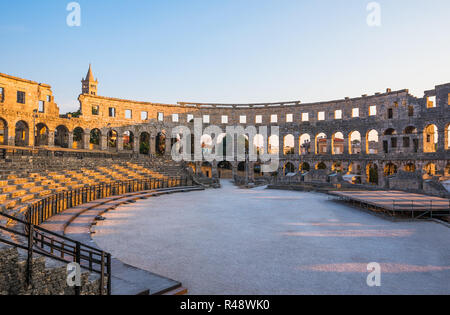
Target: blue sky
[[227, 50]]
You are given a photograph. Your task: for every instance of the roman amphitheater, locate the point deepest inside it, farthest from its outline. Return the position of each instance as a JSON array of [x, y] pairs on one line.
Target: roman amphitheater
[[80, 187]]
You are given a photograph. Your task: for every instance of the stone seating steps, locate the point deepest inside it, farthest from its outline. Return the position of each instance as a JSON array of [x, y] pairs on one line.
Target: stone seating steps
[[19, 188]]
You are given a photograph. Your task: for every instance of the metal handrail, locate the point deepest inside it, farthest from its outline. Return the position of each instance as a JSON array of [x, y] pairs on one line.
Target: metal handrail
[[47, 243]]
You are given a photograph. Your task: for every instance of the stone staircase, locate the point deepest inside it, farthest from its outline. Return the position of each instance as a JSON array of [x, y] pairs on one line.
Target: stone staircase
[[23, 182]]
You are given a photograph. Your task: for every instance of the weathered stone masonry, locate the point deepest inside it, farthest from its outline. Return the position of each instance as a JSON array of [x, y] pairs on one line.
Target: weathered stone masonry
[[412, 133]]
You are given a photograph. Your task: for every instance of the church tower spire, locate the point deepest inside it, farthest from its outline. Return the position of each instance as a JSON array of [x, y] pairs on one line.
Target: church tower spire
[[89, 85]]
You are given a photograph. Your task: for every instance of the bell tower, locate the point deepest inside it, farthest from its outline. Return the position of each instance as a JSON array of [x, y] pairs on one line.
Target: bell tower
[[89, 85]]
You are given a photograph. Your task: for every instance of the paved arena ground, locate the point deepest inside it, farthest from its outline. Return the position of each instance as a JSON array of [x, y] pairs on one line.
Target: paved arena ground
[[233, 241]]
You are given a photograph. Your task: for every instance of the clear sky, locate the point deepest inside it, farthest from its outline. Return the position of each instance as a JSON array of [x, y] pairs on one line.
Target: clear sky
[[231, 51]]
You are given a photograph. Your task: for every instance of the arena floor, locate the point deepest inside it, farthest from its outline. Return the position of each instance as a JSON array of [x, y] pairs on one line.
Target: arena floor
[[233, 241]]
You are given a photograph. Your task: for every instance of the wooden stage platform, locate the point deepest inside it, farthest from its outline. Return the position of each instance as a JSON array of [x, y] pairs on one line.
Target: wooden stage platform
[[397, 202]]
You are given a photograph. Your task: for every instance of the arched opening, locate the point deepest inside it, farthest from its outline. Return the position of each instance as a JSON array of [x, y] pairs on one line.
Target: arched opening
[[192, 166], [41, 138], [94, 141], [175, 143], [410, 140], [206, 144], [336, 167], [289, 145], [305, 144], [430, 139], [304, 167], [288, 168], [258, 142], [321, 166], [128, 140], [274, 144], [447, 169], [62, 137], [410, 167], [354, 142], [21, 134], [372, 173], [207, 169], [225, 169], [144, 143], [321, 143], [242, 145], [447, 137], [430, 169], [3, 131], [372, 142], [337, 143], [390, 169], [112, 139], [241, 169], [257, 170], [161, 143], [78, 133], [390, 141], [410, 130]]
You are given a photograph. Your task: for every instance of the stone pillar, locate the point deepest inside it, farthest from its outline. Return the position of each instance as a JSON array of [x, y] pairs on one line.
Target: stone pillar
[[214, 170], [70, 140], [152, 140], [364, 145], [86, 139], [11, 136], [251, 171], [103, 142], [168, 151], [119, 142], [51, 139], [441, 140]]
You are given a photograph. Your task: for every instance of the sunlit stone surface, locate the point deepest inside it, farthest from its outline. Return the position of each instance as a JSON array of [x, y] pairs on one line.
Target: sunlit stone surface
[[233, 241]]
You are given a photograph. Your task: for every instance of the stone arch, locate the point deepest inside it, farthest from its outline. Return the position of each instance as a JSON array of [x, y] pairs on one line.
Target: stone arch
[[274, 144], [354, 142], [144, 143], [112, 139], [447, 169], [207, 169], [62, 136], [3, 131], [372, 142], [95, 139], [288, 168], [241, 168], [128, 140], [160, 143], [78, 142], [336, 167], [430, 169], [390, 132], [321, 166], [305, 144], [321, 143], [410, 167], [390, 169], [289, 144], [206, 142], [410, 130], [225, 169], [372, 173], [21, 134], [430, 139], [304, 167], [42, 133], [259, 144], [447, 137], [337, 143]]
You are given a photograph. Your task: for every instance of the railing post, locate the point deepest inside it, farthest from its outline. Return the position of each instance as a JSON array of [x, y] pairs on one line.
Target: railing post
[[30, 253], [78, 261], [108, 272], [102, 273]]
